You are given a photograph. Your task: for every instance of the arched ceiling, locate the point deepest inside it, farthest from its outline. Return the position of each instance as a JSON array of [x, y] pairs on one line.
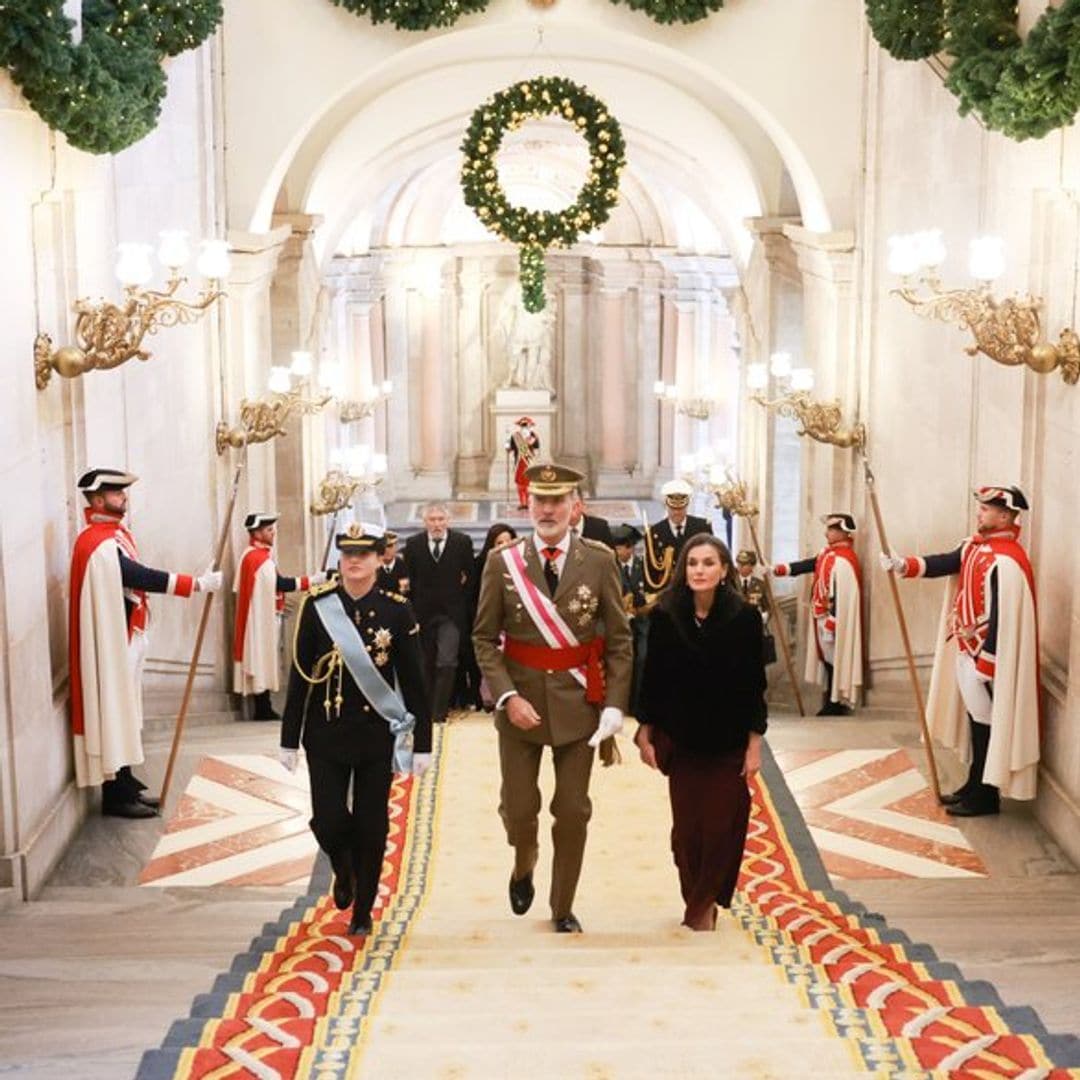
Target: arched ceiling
[[740, 110]]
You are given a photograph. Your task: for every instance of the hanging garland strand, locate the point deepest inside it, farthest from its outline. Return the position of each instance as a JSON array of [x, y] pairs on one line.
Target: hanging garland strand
[[534, 231], [104, 93], [1023, 89], [413, 14]]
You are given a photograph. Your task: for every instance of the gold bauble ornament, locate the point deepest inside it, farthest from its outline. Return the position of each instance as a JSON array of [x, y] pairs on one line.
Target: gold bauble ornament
[[1043, 358]]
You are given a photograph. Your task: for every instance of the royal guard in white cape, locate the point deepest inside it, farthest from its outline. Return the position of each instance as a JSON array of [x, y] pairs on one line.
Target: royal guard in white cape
[[984, 690], [524, 444], [107, 620], [260, 603], [834, 657]]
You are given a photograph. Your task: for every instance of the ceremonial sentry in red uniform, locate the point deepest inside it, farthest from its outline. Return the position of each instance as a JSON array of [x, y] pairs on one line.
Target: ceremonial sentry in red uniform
[[835, 660], [260, 600], [107, 621], [984, 691], [524, 444]]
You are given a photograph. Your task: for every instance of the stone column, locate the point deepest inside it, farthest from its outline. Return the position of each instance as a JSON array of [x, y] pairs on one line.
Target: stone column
[[473, 446], [571, 427], [826, 262], [297, 314]]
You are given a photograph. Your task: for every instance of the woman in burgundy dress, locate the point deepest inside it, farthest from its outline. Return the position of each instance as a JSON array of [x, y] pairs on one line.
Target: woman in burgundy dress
[[703, 715]]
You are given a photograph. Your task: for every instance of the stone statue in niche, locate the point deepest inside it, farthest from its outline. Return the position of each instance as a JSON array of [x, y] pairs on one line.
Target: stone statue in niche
[[529, 339]]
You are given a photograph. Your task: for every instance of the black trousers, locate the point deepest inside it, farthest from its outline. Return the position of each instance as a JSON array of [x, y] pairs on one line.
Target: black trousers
[[356, 826], [124, 788]]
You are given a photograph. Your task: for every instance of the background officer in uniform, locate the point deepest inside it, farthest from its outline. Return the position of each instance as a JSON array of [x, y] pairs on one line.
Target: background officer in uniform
[[349, 745], [678, 525], [393, 577], [538, 700], [752, 589]]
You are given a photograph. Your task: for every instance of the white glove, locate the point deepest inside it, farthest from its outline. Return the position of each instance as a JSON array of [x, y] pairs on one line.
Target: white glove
[[210, 580], [420, 764], [317, 578], [288, 758], [892, 564], [611, 721]]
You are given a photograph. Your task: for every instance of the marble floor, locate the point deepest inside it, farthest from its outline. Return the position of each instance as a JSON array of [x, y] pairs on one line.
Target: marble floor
[[140, 916]]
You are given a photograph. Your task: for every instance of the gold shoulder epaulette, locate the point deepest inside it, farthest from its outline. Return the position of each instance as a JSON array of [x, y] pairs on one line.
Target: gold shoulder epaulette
[[325, 587], [396, 596]]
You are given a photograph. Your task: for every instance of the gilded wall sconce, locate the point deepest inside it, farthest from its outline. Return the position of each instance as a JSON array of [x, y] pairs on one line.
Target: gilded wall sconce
[[265, 419], [108, 335], [1009, 331], [821, 420]]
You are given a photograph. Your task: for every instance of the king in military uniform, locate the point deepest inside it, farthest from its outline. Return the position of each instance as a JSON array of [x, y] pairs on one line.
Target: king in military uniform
[[984, 690], [557, 680], [355, 644]]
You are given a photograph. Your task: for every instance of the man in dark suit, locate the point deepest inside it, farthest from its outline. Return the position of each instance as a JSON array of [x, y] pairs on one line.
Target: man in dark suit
[[587, 526], [673, 530], [439, 565], [635, 601]]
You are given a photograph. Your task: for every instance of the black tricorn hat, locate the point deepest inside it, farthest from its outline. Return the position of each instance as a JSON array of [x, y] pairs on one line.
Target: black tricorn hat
[[359, 538], [105, 480], [258, 520], [840, 521], [1008, 498]]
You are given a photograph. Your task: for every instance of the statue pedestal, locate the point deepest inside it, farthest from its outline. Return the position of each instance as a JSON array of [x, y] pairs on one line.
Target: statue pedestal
[[509, 406]]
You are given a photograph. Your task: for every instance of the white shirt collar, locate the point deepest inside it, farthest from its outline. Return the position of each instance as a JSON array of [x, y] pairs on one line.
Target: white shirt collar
[[563, 545]]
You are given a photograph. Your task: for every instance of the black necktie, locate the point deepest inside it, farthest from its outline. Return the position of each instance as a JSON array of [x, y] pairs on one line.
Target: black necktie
[[626, 577], [551, 571], [678, 532], [436, 549]]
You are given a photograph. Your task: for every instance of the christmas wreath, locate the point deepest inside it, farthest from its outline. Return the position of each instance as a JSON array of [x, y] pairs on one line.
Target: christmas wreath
[[413, 14], [534, 231], [105, 92], [674, 11], [1024, 89]]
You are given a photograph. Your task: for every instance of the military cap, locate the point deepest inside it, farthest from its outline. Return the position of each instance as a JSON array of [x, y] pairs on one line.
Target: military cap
[[746, 557], [839, 521], [676, 493], [625, 534], [359, 537], [259, 520], [1008, 498], [390, 536], [547, 478], [105, 480]]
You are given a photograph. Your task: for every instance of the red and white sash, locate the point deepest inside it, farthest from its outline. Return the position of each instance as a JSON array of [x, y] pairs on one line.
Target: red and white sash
[[545, 616]]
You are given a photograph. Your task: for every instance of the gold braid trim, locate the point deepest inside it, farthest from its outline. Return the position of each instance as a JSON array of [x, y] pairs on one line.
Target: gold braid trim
[[323, 671], [652, 565]]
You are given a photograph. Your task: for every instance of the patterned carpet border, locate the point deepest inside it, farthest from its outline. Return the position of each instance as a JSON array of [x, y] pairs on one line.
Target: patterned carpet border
[[295, 1002], [904, 1012]]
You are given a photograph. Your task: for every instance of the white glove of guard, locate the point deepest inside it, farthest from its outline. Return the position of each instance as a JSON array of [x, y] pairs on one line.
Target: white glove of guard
[[317, 578], [891, 564], [420, 764], [611, 722], [288, 758], [210, 580]]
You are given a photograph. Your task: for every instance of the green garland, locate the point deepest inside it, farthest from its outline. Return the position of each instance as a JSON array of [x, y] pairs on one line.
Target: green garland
[[534, 230], [1023, 89], [413, 14], [674, 11], [105, 93]]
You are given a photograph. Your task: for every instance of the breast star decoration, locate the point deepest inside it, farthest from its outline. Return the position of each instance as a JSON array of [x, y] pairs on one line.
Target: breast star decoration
[[583, 606]]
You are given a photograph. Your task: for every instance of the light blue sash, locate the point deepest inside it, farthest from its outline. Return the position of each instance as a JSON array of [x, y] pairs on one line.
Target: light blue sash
[[383, 698]]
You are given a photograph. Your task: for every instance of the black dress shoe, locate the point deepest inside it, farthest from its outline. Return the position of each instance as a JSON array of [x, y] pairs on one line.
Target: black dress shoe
[[522, 892], [951, 798], [568, 924], [149, 800], [133, 809], [965, 808], [834, 708], [343, 891], [360, 924]]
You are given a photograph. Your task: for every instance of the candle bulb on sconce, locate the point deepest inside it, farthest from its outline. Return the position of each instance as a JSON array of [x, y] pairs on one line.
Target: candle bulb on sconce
[[108, 335], [1008, 331], [354, 470], [696, 408]]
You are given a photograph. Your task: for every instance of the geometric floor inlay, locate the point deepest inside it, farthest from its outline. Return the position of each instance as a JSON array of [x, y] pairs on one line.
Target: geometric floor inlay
[[242, 820], [872, 815]]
